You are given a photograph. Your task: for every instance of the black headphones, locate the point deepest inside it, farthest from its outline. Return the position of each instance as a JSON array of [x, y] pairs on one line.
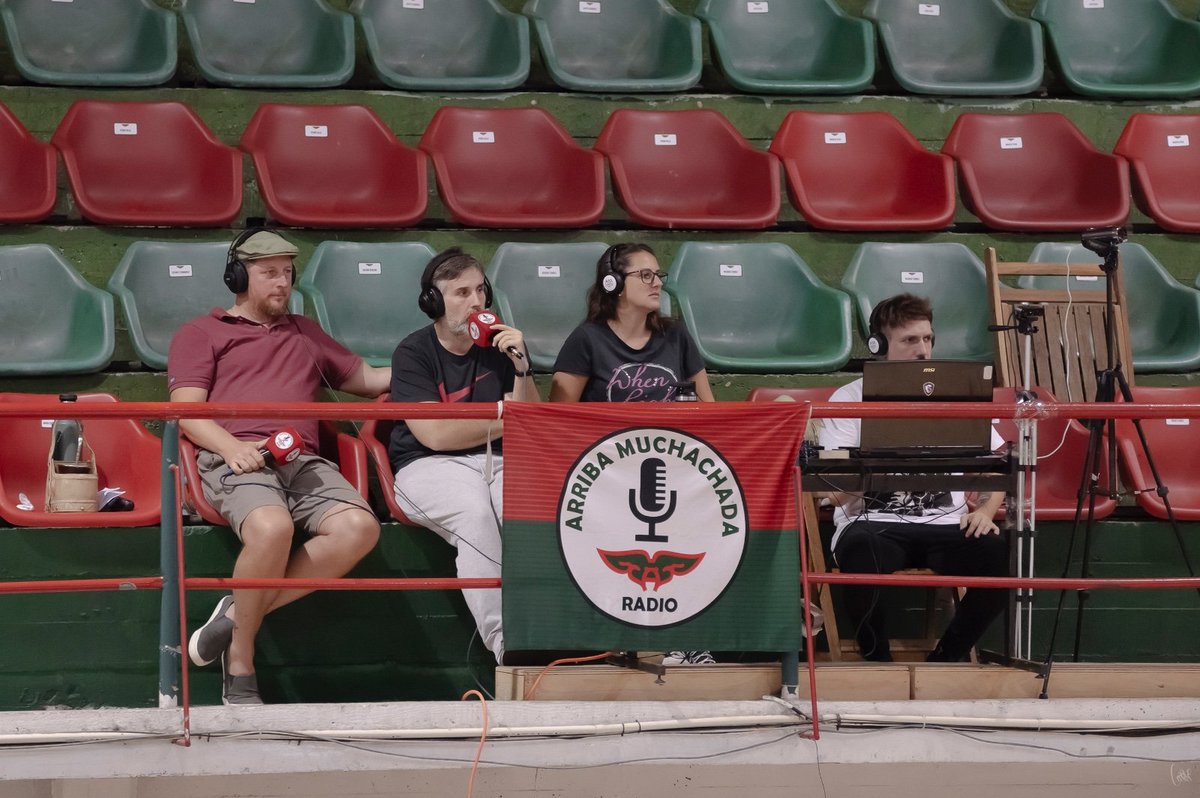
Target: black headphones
[[877, 342], [612, 280], [430, 300], [236, 278]]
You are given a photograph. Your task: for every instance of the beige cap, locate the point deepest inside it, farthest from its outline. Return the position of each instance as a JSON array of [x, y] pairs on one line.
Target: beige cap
[[264, 244]]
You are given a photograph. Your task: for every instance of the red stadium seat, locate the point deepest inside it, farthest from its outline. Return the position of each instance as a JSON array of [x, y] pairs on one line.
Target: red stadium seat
[[513, 167], [28, 173], [128, 456], [375, 434], [863, 171], [148, 163], [689, 169], [1173, 443], [1029, 172], [1164, 151], [334, 166], [345, 451], [1060, 461]]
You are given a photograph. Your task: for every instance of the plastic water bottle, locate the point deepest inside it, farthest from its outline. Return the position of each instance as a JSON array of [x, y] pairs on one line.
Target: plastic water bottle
[[67, 435]]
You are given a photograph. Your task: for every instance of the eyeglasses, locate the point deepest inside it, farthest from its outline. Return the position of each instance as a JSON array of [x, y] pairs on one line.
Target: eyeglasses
[[649, 276]]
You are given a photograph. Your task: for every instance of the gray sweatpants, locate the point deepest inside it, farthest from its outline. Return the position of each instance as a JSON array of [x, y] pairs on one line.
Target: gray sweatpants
[[457, 498]]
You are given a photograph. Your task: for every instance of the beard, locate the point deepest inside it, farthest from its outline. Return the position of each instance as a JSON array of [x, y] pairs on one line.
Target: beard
[[272, 308]]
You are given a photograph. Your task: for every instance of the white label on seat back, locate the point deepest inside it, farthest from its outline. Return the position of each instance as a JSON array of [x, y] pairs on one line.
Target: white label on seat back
[[179, 270], [248, 2], [756, 8], [1093, 3], [413, 4], [316, 131], [664, 140], [549, 271], [731, 270], [483, 137], [1011, 143], [124, 128], [47, 423], [1179, 422], [588, 8], [1088, 278], [367, 267], [838, 137], [912, 277], [929, 9], [1179, 141], [62, 1]]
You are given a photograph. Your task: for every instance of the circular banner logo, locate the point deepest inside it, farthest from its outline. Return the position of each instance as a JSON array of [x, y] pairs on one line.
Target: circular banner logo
[[652, 525]]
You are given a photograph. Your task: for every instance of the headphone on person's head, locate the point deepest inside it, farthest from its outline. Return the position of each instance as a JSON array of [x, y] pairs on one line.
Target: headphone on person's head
[[877, 342], [236, 278], [612, 281], [431, 301]]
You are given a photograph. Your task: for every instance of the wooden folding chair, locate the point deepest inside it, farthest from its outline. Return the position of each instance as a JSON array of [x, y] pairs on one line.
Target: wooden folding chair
[[1071, 345]]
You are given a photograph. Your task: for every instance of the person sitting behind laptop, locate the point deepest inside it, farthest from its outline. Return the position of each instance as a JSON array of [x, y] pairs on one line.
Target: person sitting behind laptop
[[882, 533]]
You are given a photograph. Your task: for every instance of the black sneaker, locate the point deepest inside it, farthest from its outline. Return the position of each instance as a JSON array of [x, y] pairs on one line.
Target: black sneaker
[[210, 641], [242, 690]]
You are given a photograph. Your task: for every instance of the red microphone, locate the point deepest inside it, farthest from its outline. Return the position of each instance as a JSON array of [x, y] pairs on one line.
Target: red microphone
[[479, 327], [282, 447]]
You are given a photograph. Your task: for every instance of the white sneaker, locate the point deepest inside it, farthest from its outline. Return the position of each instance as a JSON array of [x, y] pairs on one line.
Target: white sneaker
[[688, 658]]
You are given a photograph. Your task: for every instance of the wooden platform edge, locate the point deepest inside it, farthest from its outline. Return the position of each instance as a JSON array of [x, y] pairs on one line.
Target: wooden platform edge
[[851, 682]]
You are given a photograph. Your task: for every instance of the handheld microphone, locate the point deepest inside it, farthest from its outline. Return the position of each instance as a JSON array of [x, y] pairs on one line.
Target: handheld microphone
[[282, 447], [479, 327]]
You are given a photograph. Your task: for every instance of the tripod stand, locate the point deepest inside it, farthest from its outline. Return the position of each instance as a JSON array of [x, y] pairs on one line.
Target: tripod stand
[[1105, 243]]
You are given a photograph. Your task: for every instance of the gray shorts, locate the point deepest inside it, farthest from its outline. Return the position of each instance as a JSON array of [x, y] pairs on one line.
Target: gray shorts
[[319, 489]]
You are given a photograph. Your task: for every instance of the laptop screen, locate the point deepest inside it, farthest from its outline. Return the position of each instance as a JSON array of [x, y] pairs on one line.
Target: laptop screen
[[926, 381]]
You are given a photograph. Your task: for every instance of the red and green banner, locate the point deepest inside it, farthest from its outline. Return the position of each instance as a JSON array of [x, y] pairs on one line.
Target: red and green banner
[[651, 526]]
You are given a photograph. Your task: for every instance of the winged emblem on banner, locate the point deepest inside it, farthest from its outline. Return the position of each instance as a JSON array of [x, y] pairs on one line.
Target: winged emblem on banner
[[642, 569]]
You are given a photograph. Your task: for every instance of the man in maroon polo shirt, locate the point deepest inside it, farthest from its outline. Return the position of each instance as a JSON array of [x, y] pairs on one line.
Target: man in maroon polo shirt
[[257, 351]]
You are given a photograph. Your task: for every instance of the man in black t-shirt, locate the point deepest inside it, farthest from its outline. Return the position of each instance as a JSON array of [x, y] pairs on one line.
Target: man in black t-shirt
[[449, 472]]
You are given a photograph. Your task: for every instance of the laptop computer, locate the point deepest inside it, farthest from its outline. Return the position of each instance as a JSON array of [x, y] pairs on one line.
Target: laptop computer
[[926, 381]]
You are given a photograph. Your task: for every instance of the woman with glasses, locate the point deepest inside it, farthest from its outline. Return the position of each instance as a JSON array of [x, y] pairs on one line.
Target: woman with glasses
[[625, 351]]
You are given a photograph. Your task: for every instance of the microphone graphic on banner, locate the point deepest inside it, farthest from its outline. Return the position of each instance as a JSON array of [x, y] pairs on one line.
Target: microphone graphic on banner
[[479, 327], [655, 504], [282, 447]]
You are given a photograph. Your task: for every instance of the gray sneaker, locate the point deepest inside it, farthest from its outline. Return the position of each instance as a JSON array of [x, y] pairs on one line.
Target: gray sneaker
[[210, 641], [241, 690]]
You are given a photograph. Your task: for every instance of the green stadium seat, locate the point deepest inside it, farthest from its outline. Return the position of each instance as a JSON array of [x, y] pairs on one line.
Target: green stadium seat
[[93, 43], [270, 43], [1123, 48], [365, 295], [790, 46], [1164, 315], [950, 275], [959, 48], [28, 173], [127, 456], [541, 289], [52, 321], [758, 308], [445, 45], [162, 284], [617, 45]]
